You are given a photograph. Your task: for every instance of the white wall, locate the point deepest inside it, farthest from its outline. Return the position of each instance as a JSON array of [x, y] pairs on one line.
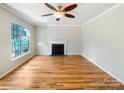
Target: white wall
[[103, 41], [6, 18], [45, 34]]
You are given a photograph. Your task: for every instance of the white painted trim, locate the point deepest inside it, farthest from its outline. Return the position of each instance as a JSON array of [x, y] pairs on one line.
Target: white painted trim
[[14, 67], [23, 16], [103, 69], [101, 14], [58, 41], [15, 12], [20, 56], [47, 25]]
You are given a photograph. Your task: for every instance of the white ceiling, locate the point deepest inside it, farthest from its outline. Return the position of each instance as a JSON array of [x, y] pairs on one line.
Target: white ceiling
[[33, 11]]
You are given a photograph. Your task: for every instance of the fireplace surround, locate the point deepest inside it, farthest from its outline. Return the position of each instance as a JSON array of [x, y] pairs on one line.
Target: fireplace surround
[[58, 47]]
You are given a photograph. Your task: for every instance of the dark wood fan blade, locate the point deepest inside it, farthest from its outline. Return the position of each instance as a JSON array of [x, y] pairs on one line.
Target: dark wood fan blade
[[57, 19], [69, 8], [69, 15], [46, 15], [50, 6]]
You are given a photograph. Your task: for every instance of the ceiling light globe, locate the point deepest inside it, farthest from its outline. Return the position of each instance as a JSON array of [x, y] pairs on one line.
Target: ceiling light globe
[[59, 14]]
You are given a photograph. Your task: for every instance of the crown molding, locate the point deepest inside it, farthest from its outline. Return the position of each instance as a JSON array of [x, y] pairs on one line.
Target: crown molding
[[24, 17], [54, 25], [17, 13], [101, 14]]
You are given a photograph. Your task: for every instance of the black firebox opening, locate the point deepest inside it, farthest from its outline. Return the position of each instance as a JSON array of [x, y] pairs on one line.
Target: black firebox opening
[[58, 49]]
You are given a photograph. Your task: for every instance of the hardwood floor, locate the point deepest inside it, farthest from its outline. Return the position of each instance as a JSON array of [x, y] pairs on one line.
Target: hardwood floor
[[59, 72]]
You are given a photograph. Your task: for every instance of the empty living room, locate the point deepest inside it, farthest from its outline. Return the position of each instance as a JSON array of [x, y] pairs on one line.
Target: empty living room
[[61, 46]]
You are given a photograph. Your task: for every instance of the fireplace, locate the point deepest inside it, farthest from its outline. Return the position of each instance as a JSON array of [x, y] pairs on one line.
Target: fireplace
[[58, 49]]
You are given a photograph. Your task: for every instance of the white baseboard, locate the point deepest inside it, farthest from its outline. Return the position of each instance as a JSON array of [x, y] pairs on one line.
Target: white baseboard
[[103, 69], [15, 67]]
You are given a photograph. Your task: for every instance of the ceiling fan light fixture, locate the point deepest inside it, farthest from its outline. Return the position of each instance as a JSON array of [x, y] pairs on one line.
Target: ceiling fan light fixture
[[59, 14]]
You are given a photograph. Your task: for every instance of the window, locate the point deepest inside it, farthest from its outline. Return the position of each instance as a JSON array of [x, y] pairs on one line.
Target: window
[[20, 40]]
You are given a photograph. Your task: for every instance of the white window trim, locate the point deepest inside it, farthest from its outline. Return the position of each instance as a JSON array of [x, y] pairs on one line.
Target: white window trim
[[24, 54], [20, 56]]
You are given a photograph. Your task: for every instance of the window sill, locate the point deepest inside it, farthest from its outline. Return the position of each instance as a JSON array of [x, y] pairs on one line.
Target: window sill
[[18, 57]]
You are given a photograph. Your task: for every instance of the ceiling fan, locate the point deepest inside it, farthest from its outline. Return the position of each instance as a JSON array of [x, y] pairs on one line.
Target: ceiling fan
[[60, 12]]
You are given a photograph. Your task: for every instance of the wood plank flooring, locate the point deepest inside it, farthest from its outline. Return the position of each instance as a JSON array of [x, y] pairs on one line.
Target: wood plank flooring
[[59, 72]]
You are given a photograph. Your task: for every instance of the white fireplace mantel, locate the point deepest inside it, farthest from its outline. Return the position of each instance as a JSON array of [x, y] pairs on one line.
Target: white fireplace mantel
[[58, 41]]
